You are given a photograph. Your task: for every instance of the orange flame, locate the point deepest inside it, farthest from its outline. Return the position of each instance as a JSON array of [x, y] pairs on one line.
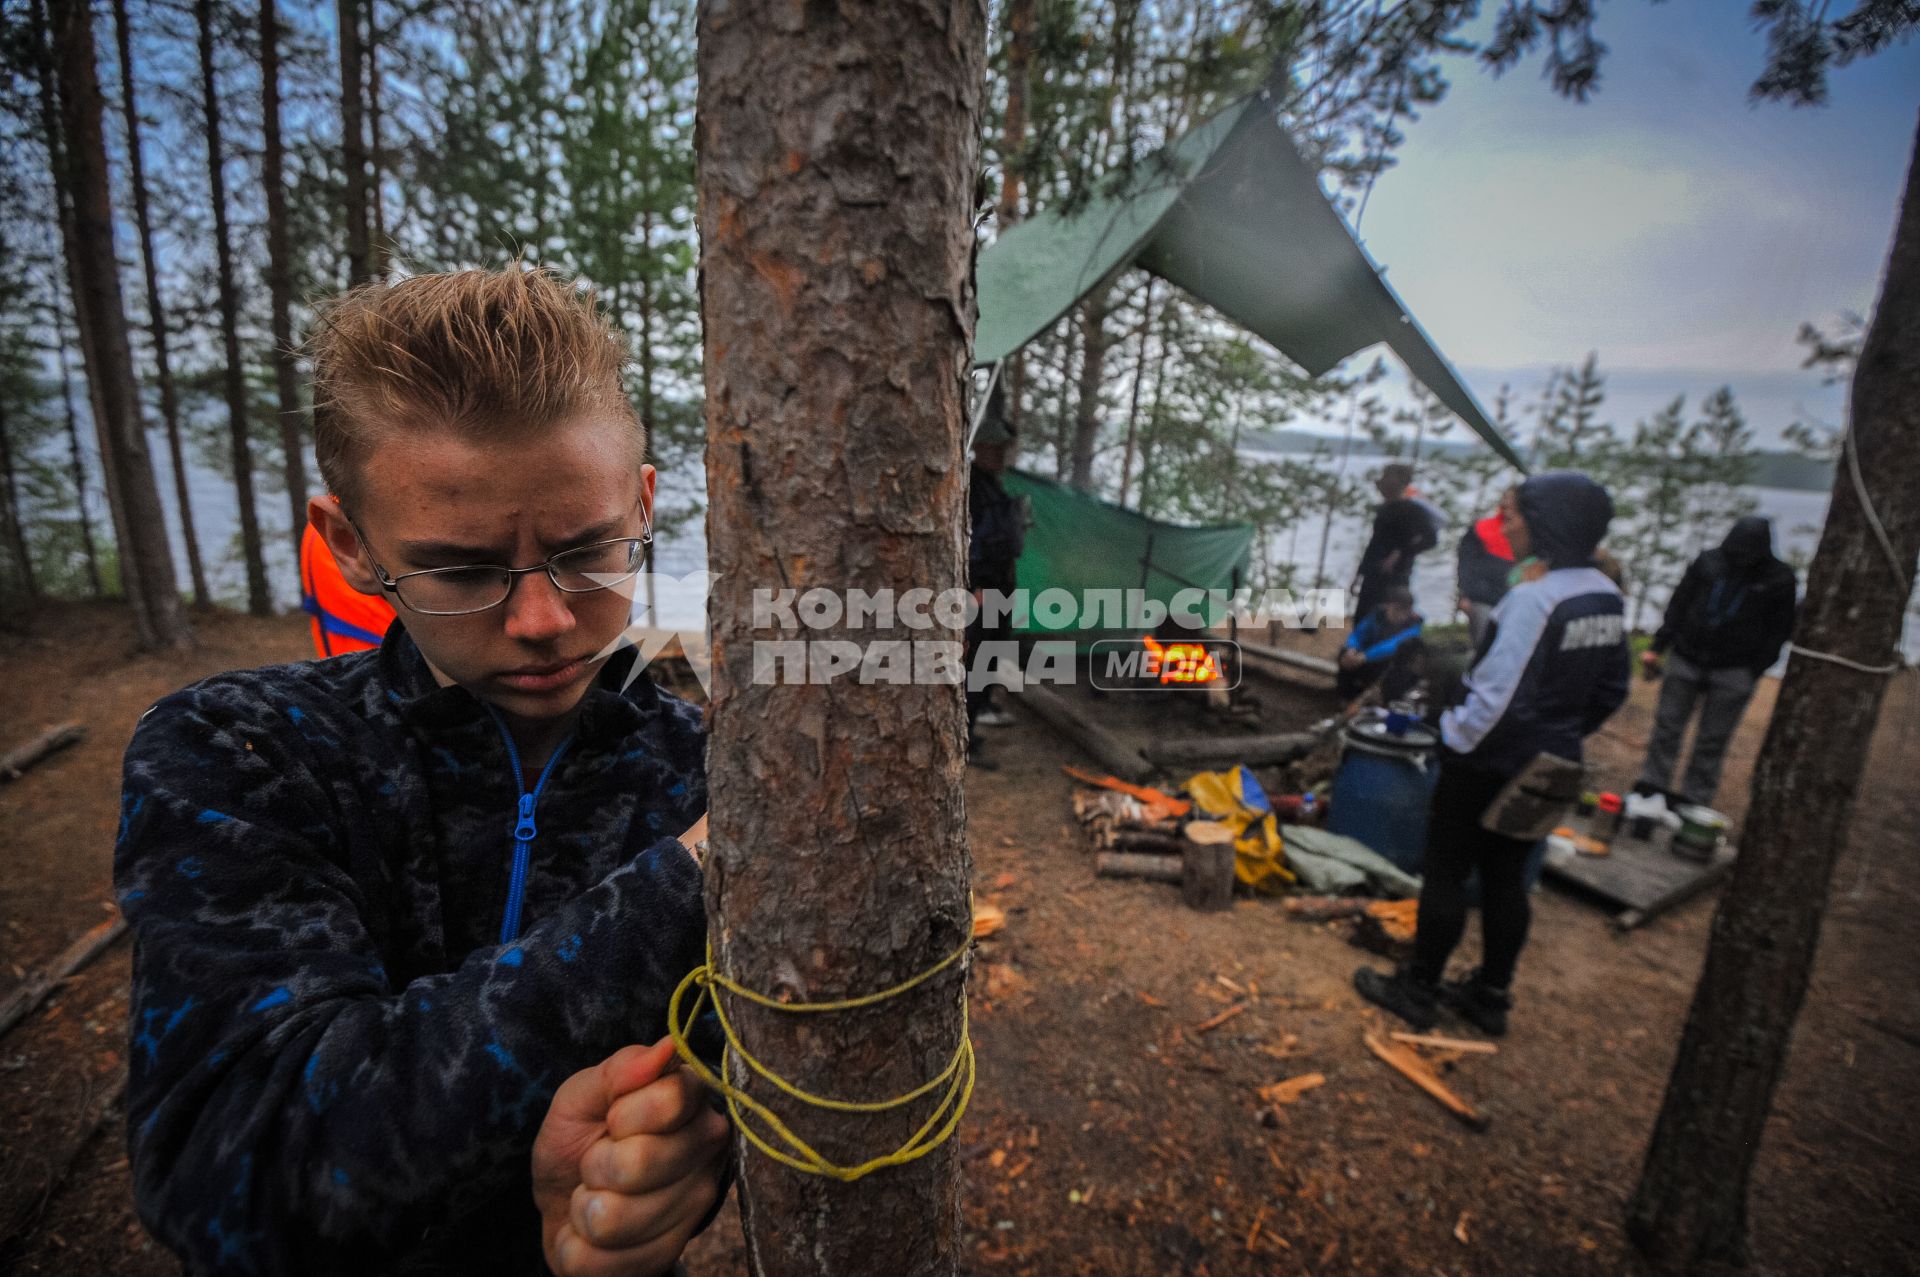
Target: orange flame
[[1182, 662]]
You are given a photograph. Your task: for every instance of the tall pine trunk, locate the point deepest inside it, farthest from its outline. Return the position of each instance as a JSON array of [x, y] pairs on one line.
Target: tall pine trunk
[[10, 522], [234, 378], [1093, 375], [156, 312], [146, 560], [1691, 1203], [76, 462], [286, 377], [1019, 20], [353, 140], [836, 249]]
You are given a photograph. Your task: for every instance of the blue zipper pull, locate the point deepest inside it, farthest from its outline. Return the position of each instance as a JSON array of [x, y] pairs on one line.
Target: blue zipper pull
[[525, 831]]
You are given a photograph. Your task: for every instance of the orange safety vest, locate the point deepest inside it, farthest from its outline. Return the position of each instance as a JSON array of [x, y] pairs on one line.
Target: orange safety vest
[[344, 620]]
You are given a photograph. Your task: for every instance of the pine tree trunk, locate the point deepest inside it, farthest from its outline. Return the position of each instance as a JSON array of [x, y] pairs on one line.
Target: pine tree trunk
[[234, 380], [836, 248], [1691, 1203], [379, 247], [10, 516], [1093, 374], [1133, 404], [353, 140], [76, 464], [156, 313], [286, 377], [146, 560]]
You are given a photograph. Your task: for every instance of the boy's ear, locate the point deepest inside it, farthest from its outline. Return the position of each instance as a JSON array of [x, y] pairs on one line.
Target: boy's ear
[[330, 521]]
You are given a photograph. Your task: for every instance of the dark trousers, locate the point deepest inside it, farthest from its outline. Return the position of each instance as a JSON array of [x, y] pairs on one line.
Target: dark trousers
[[1456, 846], [1000, 631], [1722, 695]]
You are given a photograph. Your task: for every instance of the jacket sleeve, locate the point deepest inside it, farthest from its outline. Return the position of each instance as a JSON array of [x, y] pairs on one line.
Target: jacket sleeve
[[1783, 606], [1490, 686], [1692, 581], [290, 1109], [1609, 690], [1386, 647]]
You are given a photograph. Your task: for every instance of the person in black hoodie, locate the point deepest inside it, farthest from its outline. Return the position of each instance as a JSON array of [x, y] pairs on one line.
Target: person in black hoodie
[[1726, 623], [1553, 670], [1403, 530]]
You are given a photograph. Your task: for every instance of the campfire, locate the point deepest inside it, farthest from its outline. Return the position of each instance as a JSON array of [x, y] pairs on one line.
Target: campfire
[[1184, 664]]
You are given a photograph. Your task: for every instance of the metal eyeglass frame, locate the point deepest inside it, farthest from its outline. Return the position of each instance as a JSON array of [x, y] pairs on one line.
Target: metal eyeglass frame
[[392, 583]]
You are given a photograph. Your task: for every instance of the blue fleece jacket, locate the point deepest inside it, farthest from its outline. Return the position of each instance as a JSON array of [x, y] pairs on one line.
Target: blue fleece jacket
[[364, 959]]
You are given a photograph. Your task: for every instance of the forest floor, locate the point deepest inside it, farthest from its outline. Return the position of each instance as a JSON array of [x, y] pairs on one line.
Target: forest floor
[[1109, 1134]]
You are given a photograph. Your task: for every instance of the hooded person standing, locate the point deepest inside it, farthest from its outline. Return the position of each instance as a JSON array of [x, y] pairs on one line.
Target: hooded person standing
[[1725, 624], [1402, 531], [1486, 561], [1554, 668]]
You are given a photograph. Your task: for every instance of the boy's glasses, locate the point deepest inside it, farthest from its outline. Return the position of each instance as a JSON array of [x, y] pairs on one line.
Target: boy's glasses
[[462, 590]]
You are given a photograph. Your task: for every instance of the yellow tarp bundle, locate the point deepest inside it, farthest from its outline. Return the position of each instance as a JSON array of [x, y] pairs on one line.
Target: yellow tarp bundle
[[1236, 800]]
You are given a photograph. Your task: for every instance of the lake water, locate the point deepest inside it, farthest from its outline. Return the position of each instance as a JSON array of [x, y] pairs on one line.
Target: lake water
[[1796, 516]]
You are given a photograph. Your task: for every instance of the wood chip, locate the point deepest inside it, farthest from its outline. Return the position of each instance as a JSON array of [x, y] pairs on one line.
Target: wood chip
[[1460, 1228], [1465, 1046], [987, 918], [1292, 1089], [1211, 1023], [1406, 1062]]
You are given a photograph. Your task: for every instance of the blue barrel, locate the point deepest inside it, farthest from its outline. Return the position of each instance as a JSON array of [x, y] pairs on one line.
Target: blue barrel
[[1384, 786], [1383, 789]]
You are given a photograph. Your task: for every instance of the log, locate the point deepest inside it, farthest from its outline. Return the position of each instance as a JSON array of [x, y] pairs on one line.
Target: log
[[1324, 908], [1135, 864], [51, 741], [1410, 1066], [1102, 746], [1208, 882], [1298, 662], [33, 990], [1140, 840], [1206, 832], [1226, 751]]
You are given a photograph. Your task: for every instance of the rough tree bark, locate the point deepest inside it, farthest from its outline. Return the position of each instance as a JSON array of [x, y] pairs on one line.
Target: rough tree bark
[[286, 377], [1019, 21], [1691, 1203], [353, 140], [234, 376], [1093, 374], [156, 313], [836, 247], [76, 463], [10, 518], [146, 560]]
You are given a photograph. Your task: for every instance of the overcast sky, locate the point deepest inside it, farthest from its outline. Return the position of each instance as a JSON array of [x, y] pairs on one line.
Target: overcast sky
[[1667, 224]]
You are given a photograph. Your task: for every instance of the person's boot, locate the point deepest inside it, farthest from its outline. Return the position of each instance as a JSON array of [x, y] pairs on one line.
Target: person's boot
[[1412, 1000], [1478, 1003]]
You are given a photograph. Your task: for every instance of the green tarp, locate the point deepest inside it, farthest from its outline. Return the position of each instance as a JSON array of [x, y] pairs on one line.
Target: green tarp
[[1079, 543], [1234, 216]]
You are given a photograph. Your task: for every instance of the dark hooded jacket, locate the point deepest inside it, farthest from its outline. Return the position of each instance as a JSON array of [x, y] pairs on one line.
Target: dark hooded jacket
[[367, 949], [1554, 666], [1735, 605]]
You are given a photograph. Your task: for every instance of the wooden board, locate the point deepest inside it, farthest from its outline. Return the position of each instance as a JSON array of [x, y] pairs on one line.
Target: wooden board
[[1644, 879]]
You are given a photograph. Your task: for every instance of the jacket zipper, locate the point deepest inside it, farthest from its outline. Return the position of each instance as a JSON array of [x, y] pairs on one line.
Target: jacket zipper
[[524, 828]]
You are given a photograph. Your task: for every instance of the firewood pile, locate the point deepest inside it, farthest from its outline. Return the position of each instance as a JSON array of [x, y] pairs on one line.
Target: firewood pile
[[1136, 838]]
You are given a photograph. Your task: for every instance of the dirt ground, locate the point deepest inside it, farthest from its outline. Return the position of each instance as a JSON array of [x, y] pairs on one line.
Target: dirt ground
[[1109, 1135]]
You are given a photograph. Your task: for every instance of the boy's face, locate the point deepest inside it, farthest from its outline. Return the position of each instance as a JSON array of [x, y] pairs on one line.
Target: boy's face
[[1397, 614], [1514, 524], [437, 500]]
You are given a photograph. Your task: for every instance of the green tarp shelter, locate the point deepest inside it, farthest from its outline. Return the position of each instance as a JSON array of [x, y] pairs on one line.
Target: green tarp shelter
[[1079, 543], [1234, 216]]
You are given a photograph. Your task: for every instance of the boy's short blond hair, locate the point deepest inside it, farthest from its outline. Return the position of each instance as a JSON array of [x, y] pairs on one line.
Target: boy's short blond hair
[[482, 354]]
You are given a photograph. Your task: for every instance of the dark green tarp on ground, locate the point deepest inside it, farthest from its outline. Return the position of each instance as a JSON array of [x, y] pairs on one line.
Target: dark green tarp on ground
[[1079, 543], [1231, 214]]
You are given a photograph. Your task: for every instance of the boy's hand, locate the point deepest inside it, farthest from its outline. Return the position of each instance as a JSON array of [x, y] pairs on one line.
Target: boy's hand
[[626, 1165], [695, 841]]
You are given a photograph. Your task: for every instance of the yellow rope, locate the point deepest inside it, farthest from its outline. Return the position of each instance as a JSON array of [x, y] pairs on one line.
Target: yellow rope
[[958, 1076]]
